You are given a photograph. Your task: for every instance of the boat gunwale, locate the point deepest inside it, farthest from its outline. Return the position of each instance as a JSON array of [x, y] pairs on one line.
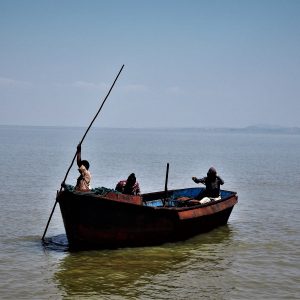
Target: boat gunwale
[[173, 208]]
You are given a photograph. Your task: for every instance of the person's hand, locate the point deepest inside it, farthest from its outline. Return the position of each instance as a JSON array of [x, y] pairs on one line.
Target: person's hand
[[194, 178], [79, 148]]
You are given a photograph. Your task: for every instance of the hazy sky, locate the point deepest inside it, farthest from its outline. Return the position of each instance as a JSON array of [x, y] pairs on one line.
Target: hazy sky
[[187, 63]]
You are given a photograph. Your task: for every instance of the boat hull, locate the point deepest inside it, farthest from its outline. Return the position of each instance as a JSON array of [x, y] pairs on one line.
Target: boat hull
[[116, 220]]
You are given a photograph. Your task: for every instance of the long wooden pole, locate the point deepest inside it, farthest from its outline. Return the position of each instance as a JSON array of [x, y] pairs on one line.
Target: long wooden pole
[[43, 237], [166, 184]]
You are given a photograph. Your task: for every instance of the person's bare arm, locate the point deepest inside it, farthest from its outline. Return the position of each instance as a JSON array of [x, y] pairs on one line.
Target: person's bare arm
[[79, 155]]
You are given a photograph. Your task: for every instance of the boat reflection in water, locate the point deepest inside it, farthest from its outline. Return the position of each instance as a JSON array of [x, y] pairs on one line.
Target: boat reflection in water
[[182, 268]]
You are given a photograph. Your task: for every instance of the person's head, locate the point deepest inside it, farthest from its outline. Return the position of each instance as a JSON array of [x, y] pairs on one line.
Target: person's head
[[131, 180], [82, 169], [212, 172], [85, 163]]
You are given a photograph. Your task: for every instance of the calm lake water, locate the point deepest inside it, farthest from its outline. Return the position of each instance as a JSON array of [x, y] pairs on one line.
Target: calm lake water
[[256, 256]]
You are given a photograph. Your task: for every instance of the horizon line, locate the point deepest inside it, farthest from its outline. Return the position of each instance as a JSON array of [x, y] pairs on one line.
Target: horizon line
[[256, 126]]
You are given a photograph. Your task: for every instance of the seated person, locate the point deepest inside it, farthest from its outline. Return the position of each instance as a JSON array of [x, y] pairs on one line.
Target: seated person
[[212, 183], [129, 186], [84, 180]]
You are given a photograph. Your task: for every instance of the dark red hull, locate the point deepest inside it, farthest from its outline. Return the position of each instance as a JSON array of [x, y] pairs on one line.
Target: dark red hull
[[116, 220]]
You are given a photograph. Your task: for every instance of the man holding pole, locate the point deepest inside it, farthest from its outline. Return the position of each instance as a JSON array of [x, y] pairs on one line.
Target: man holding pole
[[84, 180]]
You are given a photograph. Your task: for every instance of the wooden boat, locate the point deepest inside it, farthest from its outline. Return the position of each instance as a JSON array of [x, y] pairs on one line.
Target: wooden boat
[[112, 220]]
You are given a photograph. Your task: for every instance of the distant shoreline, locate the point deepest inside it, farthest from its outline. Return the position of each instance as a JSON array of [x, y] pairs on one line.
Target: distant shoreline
[[248, 129]]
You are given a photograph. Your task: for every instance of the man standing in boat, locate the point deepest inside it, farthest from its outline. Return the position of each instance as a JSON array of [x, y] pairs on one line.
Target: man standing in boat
[[129, 186], [84, 180], [212, 183]]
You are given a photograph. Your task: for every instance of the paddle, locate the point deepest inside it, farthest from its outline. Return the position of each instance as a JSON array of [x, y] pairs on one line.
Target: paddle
[[62, 184], [166, 184]]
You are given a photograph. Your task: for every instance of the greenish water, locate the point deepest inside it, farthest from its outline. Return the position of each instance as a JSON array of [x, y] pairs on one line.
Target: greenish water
[[256, 256]]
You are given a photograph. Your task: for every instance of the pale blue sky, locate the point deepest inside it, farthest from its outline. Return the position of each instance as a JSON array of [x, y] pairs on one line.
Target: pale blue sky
[[187, 63]]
